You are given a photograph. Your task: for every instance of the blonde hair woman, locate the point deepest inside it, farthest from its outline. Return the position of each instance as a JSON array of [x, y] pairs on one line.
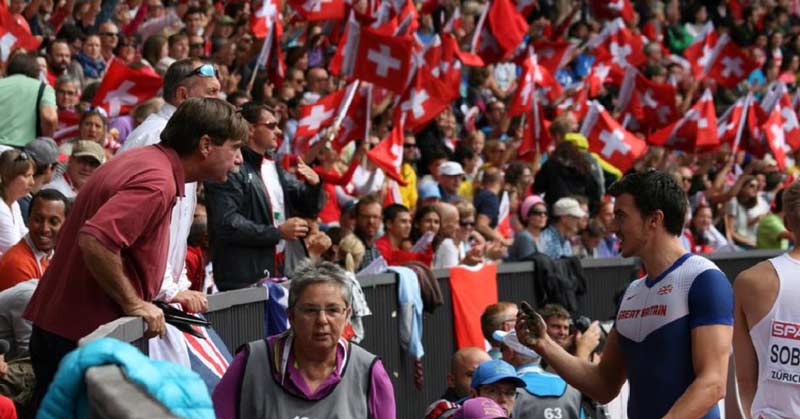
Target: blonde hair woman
[[351, 251]]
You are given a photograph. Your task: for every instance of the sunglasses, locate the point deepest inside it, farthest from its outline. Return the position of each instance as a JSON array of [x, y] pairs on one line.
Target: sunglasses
[[23, 156], [538, 213], [467, 223], [409, 146], [197, 45], [205, 70], [270, 125]]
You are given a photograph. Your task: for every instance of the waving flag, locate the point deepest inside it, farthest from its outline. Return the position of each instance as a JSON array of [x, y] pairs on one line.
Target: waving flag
[[123, 88]]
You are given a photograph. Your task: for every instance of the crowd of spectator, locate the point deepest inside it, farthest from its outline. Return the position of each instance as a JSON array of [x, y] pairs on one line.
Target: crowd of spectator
[[467, 190]]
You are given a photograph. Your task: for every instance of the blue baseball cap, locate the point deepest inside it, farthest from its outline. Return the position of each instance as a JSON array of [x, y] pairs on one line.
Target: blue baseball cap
[[429, 190], [490, 372]]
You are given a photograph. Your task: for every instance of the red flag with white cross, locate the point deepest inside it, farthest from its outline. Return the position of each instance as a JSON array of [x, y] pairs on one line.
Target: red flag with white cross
[[423, 101], [312, 118], [383, 60], [697, 130], [13, 35], [123, 87], [265, 16], [731, 64], [608, 139], [776, 138], [388, 154]]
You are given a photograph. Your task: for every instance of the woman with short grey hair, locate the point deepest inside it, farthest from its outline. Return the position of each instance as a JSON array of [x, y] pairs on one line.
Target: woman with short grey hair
[[315, 373]]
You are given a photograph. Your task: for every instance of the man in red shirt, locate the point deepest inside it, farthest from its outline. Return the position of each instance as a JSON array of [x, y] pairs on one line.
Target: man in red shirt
[[114, 242], [397, 225]]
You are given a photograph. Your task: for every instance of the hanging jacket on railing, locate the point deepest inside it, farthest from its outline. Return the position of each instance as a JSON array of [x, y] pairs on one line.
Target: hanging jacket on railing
[[559, 281], [178, 388]]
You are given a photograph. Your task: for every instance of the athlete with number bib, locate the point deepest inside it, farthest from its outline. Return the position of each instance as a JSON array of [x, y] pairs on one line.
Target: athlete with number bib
[[672, 336], [766, 337]]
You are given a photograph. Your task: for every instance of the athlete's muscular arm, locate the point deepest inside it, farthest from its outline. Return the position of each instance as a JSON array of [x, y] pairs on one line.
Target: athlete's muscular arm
[[711, 347], [754, 290], [601, 382]]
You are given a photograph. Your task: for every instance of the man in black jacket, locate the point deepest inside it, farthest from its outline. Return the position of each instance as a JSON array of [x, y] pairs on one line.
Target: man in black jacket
[[257, 207]]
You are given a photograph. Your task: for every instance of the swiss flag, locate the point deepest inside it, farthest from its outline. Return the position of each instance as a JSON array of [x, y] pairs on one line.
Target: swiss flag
[[355, 122], [696, 130], [267, 14], [553, 55], [535, 134], [423, 101], [384, 60], [701, 50], [507, 25], [657, 101], [609, 9], [608, 139], [732, 123], [620, 43], [600, 73], [314, 10], [312, 118], [388, 154], [778, 95], [123, 88], [776, 139], [731, 64], [13, 35], [535, 75]]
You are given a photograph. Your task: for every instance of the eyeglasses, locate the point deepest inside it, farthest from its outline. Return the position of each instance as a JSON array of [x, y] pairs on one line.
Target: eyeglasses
[[67, 92], [409, 146], [197, 45], [494, 392], [270, 125], [467, 223], [312, 312], [205, 70], [109, 34], [687, 178]]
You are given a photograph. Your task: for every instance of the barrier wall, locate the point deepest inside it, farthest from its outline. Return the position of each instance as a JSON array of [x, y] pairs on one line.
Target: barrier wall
[[238, 317]]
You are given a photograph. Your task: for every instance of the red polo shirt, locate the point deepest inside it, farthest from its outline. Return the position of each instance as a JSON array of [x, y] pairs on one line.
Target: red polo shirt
[[126, 205]]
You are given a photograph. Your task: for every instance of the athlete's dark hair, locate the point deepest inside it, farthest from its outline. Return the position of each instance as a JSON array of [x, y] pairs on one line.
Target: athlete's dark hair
[[655, 191]]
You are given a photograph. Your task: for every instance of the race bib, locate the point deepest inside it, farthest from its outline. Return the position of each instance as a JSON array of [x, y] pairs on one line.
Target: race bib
[[783, 364]]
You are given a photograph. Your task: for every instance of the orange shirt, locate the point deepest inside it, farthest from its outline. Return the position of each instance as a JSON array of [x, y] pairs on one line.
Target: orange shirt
[[19, 264]]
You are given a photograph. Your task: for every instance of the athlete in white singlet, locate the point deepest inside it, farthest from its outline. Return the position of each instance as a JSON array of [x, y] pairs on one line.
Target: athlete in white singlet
[[767, 328]]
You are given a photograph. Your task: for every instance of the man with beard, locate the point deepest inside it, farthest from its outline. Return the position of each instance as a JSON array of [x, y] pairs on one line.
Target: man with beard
[[408, 170], [743, 214], [673, 330], [59, 62]]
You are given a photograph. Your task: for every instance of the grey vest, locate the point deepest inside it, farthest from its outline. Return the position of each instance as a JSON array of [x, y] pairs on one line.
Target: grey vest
[[262, 397], [531, 406]]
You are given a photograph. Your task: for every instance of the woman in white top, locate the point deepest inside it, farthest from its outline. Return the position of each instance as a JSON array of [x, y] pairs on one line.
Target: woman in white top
[[16, 174]]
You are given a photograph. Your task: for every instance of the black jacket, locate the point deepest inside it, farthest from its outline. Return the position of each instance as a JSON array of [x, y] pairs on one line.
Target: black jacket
[[240, 221]]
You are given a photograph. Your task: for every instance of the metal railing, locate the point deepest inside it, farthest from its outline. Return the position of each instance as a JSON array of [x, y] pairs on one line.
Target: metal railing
[[238, 317]]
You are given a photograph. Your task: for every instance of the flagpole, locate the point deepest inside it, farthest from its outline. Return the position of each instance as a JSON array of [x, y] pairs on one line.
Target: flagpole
[[263, 55], [742, 119]]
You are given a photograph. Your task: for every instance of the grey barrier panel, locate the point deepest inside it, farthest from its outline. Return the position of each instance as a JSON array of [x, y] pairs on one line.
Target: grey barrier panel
[[112, 396], [734, 263], [126, 329], [604, 279], [238, 316]]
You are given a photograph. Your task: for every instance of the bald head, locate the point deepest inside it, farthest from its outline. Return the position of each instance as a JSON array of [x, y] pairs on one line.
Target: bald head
[[464, 363], [449, 219]]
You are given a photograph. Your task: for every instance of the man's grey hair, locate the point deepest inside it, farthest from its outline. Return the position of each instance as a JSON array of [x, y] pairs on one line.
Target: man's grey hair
[[66, 78], [322, 272]]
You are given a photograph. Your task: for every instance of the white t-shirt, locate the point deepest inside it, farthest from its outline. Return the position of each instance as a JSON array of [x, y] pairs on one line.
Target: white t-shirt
[[12, 227]]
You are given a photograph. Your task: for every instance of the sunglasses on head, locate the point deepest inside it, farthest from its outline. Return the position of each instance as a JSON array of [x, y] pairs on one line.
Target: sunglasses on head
[[205, 70], [23, 156]]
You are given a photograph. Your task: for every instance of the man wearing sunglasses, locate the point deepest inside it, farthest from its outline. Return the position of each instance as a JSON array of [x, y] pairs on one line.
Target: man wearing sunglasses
[[258, 208], [185, 79]]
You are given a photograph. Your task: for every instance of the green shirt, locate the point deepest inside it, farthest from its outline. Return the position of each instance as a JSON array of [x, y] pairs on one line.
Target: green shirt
[[769, 228], [18, 119]]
